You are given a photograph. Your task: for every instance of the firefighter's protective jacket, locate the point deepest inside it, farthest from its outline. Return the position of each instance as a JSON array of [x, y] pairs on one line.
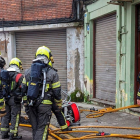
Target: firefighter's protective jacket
[[53, 86]]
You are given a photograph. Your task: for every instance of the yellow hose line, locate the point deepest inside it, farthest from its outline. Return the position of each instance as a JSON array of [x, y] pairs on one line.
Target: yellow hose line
[[133, 136], [25, 125], [57, 137], [91, 136], [114, 127], [101, 112], [75, 131]]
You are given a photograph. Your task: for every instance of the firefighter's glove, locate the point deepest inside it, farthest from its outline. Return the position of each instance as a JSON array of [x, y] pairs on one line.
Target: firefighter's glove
[[2, 105], [58, 103]]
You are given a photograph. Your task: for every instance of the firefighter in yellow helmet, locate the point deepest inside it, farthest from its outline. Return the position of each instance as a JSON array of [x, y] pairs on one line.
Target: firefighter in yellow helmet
[[40, 101], [13, 96], [58, 112]]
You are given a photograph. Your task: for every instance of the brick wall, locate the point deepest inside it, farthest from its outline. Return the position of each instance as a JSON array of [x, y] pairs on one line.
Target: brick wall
[[31, 10]]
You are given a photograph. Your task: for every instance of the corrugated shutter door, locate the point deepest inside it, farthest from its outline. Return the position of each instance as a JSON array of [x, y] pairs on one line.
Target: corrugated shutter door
[[105, 53], [28, 42]]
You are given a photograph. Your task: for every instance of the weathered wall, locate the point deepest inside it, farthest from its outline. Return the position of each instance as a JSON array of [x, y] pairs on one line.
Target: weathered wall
[[75, 50], [4, 44], [75, 59], [7, 47], [125, 48]]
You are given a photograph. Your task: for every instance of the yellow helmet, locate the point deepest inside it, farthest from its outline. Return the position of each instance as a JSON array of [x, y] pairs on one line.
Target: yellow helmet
[[16, 61], [43, 50]]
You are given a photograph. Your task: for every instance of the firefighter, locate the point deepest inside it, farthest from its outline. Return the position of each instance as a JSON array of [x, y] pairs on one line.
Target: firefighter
[[2, 106], [40, 108], [56, 110], [59, 114], [12, 95]]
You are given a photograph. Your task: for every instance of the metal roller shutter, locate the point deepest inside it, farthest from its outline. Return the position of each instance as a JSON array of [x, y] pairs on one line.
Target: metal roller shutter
[[28, 42], [105, 58]]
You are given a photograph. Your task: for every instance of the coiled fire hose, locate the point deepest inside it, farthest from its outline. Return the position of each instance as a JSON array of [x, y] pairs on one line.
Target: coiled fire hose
[[101, 112]]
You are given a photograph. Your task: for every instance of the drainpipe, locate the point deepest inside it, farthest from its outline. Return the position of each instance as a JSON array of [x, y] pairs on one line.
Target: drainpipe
[[78, 9]]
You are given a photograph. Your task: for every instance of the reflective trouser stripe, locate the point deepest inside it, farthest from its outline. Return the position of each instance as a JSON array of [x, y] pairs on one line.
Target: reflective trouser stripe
[[24, 98], [4, 129], [27, 83], [56, 85], [13, 131], [57, 101], [45, 133], [64, 126], [16, 126], [46, 102]]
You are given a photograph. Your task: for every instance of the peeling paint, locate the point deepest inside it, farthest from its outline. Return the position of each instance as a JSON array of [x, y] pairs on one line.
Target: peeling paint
[[124, 95], [4, 42], [89, 86], [75, 59], [77, 62], [78, 32]]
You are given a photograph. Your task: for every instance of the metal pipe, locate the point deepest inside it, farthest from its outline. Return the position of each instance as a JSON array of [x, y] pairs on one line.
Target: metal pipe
[[78, 9], [44, 83]]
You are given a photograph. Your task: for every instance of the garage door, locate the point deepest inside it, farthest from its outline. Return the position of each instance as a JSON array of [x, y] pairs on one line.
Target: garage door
[[105, 58], [28, 42]]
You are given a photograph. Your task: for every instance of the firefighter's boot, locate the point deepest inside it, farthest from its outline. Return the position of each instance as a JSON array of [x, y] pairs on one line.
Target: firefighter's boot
[[5, 136], [15, 137], [67, 129]]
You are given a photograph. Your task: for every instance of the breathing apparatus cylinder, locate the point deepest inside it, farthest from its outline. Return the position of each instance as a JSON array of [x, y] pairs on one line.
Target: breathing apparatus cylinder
[[43, 88]]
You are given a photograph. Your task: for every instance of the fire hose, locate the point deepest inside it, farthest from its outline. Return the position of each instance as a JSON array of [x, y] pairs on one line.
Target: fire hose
[[101, 112], [95, 134]]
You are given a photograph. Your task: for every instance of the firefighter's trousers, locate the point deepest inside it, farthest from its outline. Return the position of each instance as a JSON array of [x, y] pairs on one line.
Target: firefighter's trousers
[[40, 120], [13, 111], [60, 116]]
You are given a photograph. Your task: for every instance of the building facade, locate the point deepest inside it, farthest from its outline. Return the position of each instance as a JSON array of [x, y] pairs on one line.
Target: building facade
[[27, 25], [112, 51]]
